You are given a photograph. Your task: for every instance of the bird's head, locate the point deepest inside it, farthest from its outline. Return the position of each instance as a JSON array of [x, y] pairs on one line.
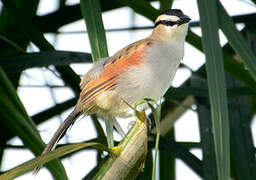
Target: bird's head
[[172, 24]]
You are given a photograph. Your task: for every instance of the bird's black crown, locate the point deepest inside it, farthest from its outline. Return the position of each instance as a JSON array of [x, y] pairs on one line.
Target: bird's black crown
[[173, 12]]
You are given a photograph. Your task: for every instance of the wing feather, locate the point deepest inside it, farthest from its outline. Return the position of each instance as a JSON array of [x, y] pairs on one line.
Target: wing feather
[[105, 74], [95, 87]]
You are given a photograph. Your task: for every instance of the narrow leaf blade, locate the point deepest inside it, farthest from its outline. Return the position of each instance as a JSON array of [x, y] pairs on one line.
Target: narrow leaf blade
[[29, 165], [92, 15], [217, 86], [236, 40]]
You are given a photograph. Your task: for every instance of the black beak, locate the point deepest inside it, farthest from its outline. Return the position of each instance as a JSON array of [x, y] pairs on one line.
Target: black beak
[[184, 19]]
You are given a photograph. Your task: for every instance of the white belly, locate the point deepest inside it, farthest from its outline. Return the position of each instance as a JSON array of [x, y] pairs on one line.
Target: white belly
[[152, 79]]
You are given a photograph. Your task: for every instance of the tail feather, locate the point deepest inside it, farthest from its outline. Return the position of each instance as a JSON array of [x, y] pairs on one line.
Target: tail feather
[[59, 134]]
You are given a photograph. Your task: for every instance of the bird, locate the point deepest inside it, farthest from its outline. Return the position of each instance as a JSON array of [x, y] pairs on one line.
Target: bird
[[144, 69]]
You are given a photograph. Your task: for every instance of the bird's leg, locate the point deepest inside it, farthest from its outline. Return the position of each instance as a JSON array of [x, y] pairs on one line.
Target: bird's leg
[[110, 121], [118, 127], [149, 124], [109, 130]]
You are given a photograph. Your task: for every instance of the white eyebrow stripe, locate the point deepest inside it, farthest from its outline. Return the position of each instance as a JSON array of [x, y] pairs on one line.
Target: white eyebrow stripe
[[165, 17]]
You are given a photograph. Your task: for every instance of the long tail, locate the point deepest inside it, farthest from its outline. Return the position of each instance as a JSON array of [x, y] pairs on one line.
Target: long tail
[[59, 134]]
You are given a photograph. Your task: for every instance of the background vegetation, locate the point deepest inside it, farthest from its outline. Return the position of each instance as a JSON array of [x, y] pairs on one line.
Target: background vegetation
[[223, 90]]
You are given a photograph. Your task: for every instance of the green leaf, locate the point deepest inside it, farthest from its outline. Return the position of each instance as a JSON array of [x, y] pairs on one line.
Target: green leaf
[[53, 21], [10, 31], [254, 1], [217, 86], [92, 15], [167, 162], [230, 63], [142, 7], [178, 151], [53, 111], [43, 59], [203, 92], [99, 129], [59, 152], [29, 29], [33, 33], [206, 136], [165, 4], [15, 118], [237, 41], [243, 151], [248, 19]]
